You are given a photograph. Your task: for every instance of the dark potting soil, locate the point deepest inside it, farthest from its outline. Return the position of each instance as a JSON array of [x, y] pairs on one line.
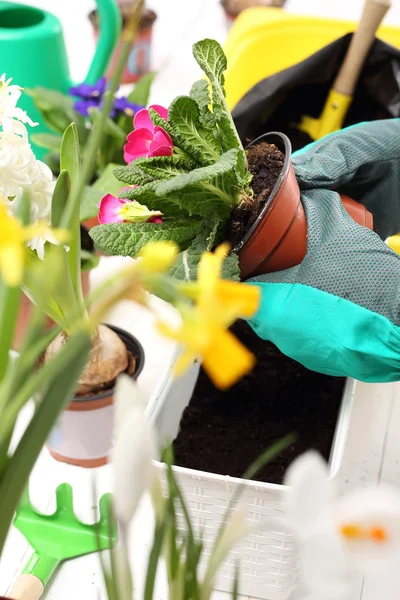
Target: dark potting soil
[[224, 432], [265, 164]]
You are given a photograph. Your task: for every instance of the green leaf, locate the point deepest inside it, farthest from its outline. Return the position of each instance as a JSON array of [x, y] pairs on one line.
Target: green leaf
[[132, 175], [212, 60], [201, 94], [47, 140], [184, 118], [146, 194], [88, 206], [60, 386], [179, 140], [125, 239], [60, 197], [141, 92], [187, 264], [57, 110], [224, 165], [107, 182], [164, 167], [70, 161]]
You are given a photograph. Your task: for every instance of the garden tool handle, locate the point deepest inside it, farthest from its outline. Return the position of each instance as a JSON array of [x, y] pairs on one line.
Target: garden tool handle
[[110, 25], [27, 587], [361, 42]]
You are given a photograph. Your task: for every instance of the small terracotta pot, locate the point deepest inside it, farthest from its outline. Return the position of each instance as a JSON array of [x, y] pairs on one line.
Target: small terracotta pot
[[83, 435], [278, 238], [139, 60]]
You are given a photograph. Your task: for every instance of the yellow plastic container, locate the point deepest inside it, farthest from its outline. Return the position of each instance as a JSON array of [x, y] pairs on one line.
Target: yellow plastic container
[[394, 243], [264, 41]]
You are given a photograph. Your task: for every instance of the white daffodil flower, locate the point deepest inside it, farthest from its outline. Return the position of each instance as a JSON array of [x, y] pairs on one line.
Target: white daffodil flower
[[134, 450], [339, 536], [9, 112]]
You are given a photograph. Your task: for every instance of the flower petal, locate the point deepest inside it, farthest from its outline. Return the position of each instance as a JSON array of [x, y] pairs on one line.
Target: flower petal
[[162, 137], [138, 143], [142, 120], [226, 360], [156, 150], [163, 112], [110, 208], [134, 450], [310, 491]]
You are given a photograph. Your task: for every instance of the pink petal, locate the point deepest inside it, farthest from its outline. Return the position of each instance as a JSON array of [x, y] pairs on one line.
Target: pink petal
[[127, 188], [163, 112], [142, 120], [162, 137], [155, 220], [156, 150], [138, 144], [109, 209]]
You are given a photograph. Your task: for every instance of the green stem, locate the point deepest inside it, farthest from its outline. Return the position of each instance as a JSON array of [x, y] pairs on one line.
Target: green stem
[[9, 309], [227, 198]]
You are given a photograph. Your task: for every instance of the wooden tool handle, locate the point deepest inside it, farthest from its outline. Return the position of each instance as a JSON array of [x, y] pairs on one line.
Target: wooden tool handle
[[27, 587], [362, 40]]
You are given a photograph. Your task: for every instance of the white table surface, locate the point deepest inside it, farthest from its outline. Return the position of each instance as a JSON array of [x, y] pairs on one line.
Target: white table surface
[[373, 448]]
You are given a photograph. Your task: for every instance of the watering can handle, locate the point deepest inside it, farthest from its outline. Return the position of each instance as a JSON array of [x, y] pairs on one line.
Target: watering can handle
[[27, 587], [110, 29], [362, 40]]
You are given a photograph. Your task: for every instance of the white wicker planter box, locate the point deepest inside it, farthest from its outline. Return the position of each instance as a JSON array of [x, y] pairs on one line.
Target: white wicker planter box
[[268, 565]]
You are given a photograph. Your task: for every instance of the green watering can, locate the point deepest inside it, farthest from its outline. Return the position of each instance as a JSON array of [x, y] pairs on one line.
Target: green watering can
[[32, 51], [58, 537]]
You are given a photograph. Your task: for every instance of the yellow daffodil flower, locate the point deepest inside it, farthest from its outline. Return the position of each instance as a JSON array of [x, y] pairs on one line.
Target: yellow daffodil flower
[[13, 238], [158, 257], [203, 333]]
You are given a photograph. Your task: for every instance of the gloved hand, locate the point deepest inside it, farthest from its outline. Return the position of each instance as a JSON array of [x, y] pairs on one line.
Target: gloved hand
[[338, 312]]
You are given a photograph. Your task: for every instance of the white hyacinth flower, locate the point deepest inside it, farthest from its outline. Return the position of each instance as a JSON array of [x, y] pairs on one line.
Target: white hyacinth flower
[[9, 112], [339, 536], [134, 450], [19, 168]]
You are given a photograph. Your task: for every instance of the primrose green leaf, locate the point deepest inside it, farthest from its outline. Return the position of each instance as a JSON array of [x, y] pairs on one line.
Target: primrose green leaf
[[126, 239], [224, 165], [164, 167], [212, 60], [132, 175], [187, 263], [184, 118], [47, 140], [141, 92], [146, 194], [201, 94], [192, 152]]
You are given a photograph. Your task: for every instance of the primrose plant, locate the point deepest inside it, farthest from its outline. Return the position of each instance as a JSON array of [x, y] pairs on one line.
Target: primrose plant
[[187, 167]]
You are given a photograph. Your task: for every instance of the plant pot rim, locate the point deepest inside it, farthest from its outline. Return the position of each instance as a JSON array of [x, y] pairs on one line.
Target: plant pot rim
[[282, 142], [147, 20], [140, 358]]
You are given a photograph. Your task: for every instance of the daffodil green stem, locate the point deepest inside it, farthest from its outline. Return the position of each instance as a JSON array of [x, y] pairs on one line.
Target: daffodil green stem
[[9, 309]]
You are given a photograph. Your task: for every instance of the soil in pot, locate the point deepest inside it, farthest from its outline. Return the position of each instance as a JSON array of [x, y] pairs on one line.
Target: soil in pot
[[265, 163], [224, 432]]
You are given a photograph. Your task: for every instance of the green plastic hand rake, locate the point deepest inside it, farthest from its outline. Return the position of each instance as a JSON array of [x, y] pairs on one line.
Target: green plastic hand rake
[[58, 537]]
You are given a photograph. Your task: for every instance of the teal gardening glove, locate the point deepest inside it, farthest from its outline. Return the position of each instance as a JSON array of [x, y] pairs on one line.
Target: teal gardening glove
[[338, 312]]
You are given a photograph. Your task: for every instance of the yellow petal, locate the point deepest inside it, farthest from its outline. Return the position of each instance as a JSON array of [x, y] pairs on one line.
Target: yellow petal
[[158, 256], [210, 266], [227, 360], [12, 264], [245, 299]]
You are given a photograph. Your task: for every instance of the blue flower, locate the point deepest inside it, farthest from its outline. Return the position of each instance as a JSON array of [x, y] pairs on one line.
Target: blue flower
[[82, 106], [123, 105], [89, 92]]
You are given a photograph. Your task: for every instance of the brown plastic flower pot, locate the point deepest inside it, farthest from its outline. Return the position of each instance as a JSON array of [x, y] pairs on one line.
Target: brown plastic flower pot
[[83, 435], [278, 238]]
